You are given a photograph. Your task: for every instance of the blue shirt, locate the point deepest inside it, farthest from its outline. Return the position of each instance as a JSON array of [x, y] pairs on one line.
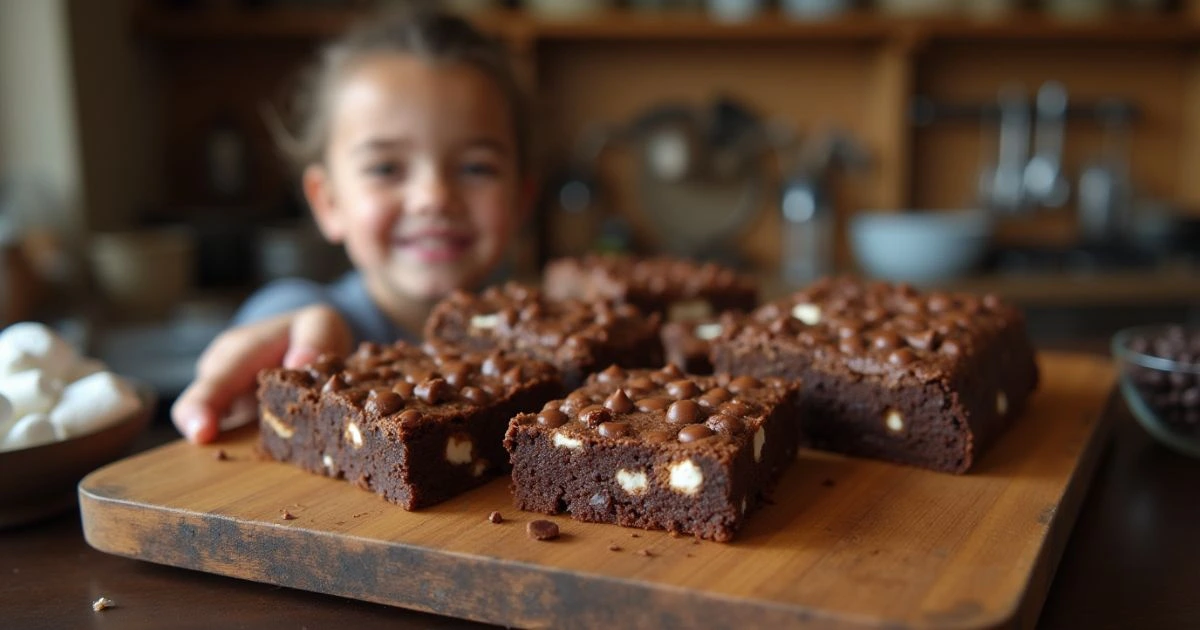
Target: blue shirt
[[347, 295]]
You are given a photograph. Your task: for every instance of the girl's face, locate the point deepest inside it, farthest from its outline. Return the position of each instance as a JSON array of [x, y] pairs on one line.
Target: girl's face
[[420, 179]]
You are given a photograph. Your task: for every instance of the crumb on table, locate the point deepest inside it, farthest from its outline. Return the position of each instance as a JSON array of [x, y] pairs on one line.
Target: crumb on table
[[103, 603]]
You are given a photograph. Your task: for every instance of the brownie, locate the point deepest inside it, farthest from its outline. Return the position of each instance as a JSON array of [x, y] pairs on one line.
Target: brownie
[[576, 336], [927, 379], [656, 449], [679, 289], [686, 344], [414, 426]]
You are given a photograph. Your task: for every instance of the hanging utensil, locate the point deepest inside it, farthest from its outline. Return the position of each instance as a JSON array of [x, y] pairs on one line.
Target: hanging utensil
[[1044, 181], [1001, 186]]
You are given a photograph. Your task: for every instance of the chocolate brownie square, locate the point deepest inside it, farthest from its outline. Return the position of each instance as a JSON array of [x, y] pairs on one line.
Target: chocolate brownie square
[[656, 449], [577, 337], [414, 426], [687, 344], [679, 289], [927, 379]]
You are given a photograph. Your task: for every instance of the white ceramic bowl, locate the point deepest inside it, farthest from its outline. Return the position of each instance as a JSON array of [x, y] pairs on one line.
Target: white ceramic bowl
[[920, 246]]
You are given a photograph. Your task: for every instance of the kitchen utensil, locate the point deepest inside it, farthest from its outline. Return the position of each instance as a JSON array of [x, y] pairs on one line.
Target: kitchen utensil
[[1001, 186], [711, 188], [807, 205], [920, 246], [1043, 178], [1105, 191]]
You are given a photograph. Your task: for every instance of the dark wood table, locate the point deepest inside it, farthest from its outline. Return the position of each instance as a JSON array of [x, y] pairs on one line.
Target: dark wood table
[[1132, 562]]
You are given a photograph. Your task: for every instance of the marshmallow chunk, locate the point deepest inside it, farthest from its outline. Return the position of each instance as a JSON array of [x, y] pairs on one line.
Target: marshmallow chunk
[[30, 392], [93, 403], [30, 431], [44, 349], [6, 417]]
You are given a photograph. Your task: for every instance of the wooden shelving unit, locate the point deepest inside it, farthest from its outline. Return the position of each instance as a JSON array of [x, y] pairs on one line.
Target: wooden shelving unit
[[857, 72]]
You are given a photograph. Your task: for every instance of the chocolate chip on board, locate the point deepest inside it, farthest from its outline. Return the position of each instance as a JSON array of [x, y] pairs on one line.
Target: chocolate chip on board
[[541, 530]]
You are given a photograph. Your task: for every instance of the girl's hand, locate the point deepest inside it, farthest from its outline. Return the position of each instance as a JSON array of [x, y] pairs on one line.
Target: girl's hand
[[228, 369]]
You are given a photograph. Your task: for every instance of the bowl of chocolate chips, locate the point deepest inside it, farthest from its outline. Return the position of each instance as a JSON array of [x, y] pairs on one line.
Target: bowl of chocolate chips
[[1159, 369]]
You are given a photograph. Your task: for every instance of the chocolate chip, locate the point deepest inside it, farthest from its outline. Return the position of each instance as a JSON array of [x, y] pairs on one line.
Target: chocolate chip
[[743, 383], [886, 340], [618, 402], [551, 418], [671, 371], [682, 388], [903, 356], [594, 415], [495, 518], [724, 423], [654, 403], [494, 365], [614, 429], [684, 412], [409, 416], [541, 530], [851, 345], [737, 408], [286, 515], [475, 395], [950, 347], [939, 302], [924, 340], [513, 375], [456, 373], [611, 374], [433, 391], [658, 437], [334, 384], [383, 402], [220, 455], [695, 433], [615, 547], [403, 388]]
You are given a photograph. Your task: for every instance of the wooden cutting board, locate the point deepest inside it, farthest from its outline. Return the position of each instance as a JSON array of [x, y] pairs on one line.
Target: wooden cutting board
[[847, 543]]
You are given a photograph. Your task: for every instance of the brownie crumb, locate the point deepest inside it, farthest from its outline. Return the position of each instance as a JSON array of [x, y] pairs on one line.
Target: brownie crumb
[[675, 534], [541, 530], [690, 555], [828, 483], [360, 514], [103, 603], [695, 541], [495, 518], [645, 552], [615, 547], [221, 455], [287, 516], [635, 535]]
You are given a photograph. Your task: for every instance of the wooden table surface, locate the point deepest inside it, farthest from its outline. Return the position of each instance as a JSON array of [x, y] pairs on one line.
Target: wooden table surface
[[1132, 562]]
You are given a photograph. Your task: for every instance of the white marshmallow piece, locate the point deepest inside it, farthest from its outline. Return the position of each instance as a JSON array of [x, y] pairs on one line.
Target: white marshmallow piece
[[93, 403], [6, 417], [30, 431], [46, 350], [30, 392]]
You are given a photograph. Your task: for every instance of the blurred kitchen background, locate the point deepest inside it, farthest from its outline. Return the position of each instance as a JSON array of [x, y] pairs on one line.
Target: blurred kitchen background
[[1047, 151]]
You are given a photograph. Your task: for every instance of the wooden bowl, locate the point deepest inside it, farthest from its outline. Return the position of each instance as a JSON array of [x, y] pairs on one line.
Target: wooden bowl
[[39, 482]]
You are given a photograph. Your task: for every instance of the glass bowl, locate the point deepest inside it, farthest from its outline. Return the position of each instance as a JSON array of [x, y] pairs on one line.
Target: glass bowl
[[1159, 372]]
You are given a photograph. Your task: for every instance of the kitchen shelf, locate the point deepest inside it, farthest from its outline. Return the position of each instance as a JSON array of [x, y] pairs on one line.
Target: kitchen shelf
[[624, 25]]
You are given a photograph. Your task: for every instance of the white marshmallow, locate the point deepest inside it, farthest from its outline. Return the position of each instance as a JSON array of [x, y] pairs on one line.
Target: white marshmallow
[[93, 403], [30, 392], [32, 430], [82, 368], [6, 417], [13, 360], [47, 350]]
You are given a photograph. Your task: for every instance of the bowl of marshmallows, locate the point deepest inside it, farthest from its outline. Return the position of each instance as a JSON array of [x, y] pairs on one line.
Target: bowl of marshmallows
[[62, 415]]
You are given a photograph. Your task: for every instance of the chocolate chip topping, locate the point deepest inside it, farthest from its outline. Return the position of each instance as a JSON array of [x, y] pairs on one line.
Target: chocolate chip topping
[[682, 388], [654, 403], [614, 429], [694, 433], [874, 328], [618, 402], [684, 412], [433, 391], [594, 415], [384, 402], [551, 418]]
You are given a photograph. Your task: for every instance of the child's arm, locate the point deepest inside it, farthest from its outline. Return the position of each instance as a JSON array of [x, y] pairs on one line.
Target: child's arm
[[229, 367]]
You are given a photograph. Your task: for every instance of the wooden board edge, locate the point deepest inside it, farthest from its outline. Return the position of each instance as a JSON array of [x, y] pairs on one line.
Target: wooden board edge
[[1065, 516], [546, 597]]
